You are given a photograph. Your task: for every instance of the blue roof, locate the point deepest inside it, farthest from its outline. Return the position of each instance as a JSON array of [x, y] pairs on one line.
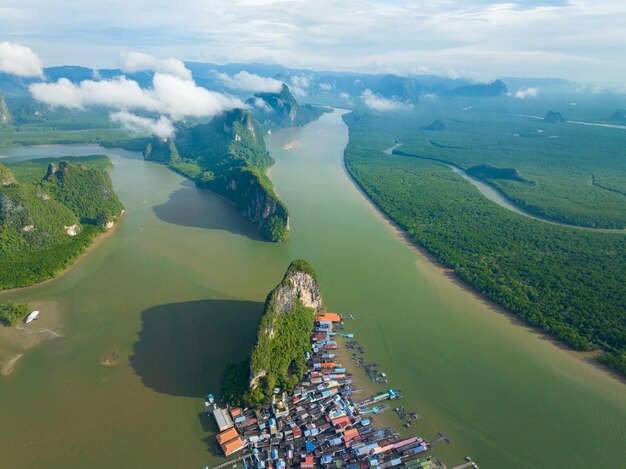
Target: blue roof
[[309, 446]]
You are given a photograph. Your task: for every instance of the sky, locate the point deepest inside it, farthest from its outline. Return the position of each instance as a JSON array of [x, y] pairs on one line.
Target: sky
[[580, 40]]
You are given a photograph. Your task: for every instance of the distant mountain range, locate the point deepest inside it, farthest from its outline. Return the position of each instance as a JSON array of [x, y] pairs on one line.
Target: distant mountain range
[[316, 84]]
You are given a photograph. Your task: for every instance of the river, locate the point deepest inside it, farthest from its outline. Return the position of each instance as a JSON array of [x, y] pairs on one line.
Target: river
[[495, 195], [148, 319]]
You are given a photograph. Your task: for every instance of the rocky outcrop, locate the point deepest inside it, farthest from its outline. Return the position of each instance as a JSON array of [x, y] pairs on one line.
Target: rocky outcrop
[[5, 116], [297, 294], [255, 200], [281, 109], [554, 117], [618, 116], [6, 176], [436, 125], [72, 230]]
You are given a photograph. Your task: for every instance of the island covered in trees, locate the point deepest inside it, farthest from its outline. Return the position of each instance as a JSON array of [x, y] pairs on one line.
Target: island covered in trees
[[278, 358], [50, 211]]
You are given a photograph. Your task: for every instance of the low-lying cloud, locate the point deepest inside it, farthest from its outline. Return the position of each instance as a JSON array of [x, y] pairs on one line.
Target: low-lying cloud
[[380, 103], [298, 84], [162, 127], [245, 81], [527, 93], [133, 61], [169, 95], [19, 60]]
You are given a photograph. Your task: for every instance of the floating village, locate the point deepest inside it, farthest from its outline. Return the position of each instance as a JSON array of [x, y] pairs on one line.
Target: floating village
[[321, 423]]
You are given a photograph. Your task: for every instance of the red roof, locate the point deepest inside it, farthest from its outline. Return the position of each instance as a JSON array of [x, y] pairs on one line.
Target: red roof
[[308, 462], [297, 433], [331, 317]]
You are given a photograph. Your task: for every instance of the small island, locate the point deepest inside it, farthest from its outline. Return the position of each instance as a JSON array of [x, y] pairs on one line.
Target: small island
[[292, 404]]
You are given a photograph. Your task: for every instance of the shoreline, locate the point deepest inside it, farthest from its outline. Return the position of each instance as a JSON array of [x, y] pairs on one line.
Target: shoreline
[[96, 241], [590, 358]]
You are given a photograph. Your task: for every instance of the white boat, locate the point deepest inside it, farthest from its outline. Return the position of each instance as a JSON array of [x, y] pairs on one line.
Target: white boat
[[31, 317]]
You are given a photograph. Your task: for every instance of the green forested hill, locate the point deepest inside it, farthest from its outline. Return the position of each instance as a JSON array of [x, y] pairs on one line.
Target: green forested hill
[[569, 282], [228, 156], [283, 338], [46, 223]]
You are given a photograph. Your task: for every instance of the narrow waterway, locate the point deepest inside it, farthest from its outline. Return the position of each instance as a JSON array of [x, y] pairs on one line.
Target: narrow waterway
[[147, 321], [495, 195]]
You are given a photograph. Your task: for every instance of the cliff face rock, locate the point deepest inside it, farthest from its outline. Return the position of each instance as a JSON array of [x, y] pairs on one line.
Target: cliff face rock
[[228, 156], [283, 335], [255, 200], [5, 116], [281, 109]]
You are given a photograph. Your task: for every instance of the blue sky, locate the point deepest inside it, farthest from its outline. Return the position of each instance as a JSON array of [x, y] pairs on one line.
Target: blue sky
[[579, 40]]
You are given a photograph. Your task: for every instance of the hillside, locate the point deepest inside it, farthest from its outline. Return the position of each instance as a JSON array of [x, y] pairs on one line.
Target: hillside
[[46, 224], [281, 109], [481, 90], [228, 156], [278, 358]]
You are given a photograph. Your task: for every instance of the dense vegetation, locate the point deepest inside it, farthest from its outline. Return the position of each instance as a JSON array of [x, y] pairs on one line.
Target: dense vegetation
[[228, 156], [569, 173], [283, 339], [568, 282], [11, 313], [37, 213]]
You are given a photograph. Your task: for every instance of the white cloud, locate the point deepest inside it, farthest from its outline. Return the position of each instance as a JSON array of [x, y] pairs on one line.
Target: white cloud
[[161, 127], [169, 95], [298, 84], [344, 95], [429, 97], [483, 39], [261, 104], [245, 81], [326, 86], [172, 97], [527, 93], [133, 61], [19, 60], [380, 103]]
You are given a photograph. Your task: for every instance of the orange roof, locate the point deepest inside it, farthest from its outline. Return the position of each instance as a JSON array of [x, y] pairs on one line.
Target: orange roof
[[341, 421], [232, 446], [350, 434], [235, 411], [308, 462], [227, 435], [328, 365], [332, 317]]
